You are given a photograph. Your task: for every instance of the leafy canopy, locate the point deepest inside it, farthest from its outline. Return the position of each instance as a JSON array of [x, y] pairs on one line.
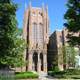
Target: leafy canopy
[[11, 46], [72, 17]]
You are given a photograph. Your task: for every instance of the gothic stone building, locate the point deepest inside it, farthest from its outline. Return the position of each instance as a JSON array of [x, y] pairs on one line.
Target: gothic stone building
[[57, 40], [35, 33], [55, 55]]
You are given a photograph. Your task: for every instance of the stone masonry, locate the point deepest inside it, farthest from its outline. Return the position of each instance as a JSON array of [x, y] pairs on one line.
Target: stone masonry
[[35, 33]]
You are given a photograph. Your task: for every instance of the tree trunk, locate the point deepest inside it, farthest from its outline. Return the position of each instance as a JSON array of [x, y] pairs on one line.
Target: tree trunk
[[79, 49]]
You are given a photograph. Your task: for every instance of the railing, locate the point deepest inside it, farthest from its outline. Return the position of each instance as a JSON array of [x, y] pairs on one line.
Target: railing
[[7, 75]]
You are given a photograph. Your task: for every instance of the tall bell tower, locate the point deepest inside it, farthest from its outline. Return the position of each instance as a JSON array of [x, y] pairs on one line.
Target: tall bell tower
[[36, 34]]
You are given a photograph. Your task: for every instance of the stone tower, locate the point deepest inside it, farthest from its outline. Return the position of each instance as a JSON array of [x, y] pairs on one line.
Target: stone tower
[[36, 34]]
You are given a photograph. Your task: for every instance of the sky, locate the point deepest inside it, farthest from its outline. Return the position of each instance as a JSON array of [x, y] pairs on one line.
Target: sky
[[56, 11]]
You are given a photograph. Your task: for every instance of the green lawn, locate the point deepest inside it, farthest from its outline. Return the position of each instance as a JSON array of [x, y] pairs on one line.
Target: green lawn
[[67, 74]]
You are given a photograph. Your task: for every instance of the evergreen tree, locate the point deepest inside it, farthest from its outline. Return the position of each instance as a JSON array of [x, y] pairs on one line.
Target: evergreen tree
[[11, 46], [72, 17]]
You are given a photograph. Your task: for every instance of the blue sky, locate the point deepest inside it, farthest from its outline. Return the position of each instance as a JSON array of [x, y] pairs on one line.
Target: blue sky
[[56, 10]]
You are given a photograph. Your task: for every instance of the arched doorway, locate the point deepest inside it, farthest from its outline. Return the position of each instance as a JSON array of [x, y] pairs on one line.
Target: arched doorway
[[35, 60], [41, 58]]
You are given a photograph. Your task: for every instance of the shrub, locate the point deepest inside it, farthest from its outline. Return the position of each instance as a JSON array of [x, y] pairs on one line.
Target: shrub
[[25, 75], [69, 73], [56, 69], [72, 72]]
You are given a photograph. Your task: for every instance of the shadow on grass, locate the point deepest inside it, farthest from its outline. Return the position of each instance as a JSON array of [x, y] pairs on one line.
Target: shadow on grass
[[67, 74]]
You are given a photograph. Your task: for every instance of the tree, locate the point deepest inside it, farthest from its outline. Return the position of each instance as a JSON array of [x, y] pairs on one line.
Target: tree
[[68, 56], [20, 45], [72, 17], [11, 46]]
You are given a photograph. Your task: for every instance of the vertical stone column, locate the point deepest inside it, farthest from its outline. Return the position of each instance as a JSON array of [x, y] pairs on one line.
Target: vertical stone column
[[47, 26], [24, 67], [30, 61], [39, 63], [45, 62]]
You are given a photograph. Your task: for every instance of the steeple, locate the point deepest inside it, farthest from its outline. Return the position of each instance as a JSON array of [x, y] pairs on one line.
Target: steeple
[[25, 5], [30, 4], [47, 8], [43, 6]]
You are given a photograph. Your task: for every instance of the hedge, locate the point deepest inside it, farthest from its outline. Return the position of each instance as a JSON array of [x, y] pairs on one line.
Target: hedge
[[25, 75]]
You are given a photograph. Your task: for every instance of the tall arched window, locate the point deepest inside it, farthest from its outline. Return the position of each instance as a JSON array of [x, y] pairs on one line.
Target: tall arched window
[[34, 32], [40, 33]]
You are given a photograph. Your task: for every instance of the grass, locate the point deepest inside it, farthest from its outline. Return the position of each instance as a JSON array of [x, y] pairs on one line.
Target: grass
[[20, 75], [70, 73], [25, 75]]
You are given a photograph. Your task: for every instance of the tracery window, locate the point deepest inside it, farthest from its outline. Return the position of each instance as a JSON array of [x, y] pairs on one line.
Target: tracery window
[[40, 33], [34, 32]]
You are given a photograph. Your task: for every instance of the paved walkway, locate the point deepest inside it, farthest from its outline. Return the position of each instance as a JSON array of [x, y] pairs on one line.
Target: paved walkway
[[44, 76]]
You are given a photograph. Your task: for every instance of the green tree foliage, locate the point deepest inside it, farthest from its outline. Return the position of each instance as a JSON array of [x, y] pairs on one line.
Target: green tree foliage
[[72, 17], [18, 49], [11, 45], [69, 54]]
